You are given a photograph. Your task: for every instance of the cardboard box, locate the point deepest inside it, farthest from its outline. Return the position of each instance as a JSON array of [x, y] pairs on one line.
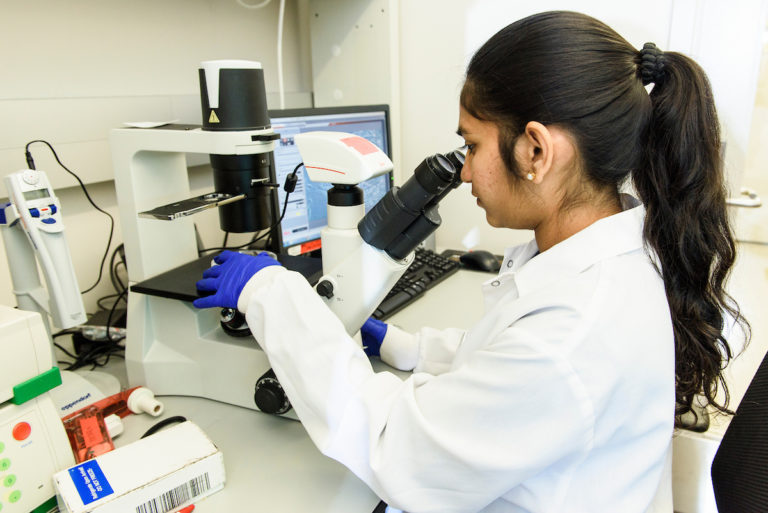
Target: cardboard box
[[163, 472]]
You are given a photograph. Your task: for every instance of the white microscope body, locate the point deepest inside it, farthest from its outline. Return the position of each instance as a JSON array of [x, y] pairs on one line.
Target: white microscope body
[[174, 348], [356, 276]]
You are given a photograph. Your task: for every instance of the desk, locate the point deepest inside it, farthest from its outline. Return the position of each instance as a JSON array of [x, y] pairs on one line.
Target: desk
[[271, 463]]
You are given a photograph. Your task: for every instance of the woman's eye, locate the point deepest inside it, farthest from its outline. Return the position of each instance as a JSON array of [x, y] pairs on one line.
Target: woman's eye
[[470, 148]]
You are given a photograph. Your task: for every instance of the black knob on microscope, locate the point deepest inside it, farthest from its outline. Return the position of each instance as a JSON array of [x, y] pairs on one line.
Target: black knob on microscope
[[269, 395], [325, 289]]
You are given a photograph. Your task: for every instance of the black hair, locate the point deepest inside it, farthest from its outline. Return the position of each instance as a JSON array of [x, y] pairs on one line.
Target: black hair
[[571, 70]]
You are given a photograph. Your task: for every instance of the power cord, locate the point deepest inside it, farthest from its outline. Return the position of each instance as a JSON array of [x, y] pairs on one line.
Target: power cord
[[163, 423], [31, 164], [97, 353], [93, 356], [288, 187]]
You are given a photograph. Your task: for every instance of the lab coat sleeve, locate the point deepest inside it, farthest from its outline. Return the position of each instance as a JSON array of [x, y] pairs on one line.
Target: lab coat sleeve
[[449, 443], [429, 350]]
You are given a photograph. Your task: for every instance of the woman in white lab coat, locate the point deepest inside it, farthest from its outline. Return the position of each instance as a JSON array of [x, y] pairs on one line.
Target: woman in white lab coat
[[563, 397]]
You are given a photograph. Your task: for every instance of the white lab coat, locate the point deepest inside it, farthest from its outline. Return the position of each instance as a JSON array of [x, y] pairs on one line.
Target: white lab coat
[[561, 399]]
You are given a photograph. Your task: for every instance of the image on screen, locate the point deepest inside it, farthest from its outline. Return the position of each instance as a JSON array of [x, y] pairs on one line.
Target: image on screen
[[305, 214]]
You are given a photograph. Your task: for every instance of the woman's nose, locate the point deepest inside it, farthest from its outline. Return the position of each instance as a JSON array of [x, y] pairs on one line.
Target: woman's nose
[[466, 173]]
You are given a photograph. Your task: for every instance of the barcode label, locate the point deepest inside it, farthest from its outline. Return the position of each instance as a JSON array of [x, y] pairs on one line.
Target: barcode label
[[177, 496]]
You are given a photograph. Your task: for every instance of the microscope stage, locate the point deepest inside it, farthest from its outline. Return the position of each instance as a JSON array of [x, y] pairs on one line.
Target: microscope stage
[[179, 283]]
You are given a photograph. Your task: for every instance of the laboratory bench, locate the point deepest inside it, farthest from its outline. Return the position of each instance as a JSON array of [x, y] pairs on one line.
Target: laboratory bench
[[271, 463]]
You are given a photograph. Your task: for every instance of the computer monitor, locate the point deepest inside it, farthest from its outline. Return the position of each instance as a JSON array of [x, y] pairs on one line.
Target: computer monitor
[[305, 214]]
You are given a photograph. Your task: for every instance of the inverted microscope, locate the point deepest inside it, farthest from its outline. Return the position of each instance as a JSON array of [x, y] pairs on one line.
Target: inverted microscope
[[174, 348]]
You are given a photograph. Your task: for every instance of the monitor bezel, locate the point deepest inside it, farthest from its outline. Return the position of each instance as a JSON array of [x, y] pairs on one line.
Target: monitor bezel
[[278, 243]]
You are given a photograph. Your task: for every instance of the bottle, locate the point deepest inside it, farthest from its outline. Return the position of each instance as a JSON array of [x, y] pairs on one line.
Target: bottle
[[132, 400]]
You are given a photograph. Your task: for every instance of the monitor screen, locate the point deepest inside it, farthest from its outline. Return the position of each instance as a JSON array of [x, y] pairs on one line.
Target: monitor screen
[[305, 214]]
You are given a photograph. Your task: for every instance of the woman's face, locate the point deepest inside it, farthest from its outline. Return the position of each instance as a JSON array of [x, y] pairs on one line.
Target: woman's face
[[509, 202]]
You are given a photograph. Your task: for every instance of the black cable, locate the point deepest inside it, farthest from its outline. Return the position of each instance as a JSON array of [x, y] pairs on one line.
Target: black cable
[[31, 164], [106, 349], [109, 354], [61, 348], [241, 246], [63, 332], [98, 350], [91, 357], [290, 185], [163, 423], [226, 237], [116, 281], [104, 298], [112, 312]]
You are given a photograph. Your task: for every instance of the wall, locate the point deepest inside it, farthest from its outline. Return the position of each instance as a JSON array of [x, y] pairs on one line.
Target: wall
[[752, 224], [76, 68], [73, 69]]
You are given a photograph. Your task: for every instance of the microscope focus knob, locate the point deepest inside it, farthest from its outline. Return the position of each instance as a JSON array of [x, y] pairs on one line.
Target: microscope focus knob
[[269, 395], [325, 289]]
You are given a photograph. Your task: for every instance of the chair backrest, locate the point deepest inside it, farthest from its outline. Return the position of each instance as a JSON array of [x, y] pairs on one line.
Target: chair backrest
[[740, 466]]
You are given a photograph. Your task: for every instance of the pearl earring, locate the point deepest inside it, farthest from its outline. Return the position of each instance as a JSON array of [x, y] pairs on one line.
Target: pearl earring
[[530, 176]]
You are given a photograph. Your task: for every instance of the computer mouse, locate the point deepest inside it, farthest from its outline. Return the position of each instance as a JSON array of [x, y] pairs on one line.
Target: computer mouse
[[480, 260]]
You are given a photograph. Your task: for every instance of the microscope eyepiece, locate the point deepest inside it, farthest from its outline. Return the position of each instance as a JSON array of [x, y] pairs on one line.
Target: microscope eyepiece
[[435, 173], [456, 157], [408, 214]]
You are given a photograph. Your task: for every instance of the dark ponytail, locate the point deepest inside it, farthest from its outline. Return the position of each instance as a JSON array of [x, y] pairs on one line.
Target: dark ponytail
[[682, 187], [571, 70]]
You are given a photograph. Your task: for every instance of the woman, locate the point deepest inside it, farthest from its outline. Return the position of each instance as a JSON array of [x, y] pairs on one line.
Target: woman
[[563, 397]]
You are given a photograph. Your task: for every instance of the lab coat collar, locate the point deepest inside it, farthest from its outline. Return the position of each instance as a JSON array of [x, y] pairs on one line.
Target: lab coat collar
[[608, 237]]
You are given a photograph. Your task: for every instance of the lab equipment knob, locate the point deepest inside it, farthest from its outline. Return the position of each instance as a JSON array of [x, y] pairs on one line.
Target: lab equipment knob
[[325, 289], [233, 323], [269, 395]]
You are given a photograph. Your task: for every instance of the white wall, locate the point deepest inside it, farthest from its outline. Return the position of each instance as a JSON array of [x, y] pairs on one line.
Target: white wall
[[752, 224], [73, 69]]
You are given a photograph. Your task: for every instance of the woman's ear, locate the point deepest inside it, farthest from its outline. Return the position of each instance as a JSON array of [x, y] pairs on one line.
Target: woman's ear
[[538, 149]]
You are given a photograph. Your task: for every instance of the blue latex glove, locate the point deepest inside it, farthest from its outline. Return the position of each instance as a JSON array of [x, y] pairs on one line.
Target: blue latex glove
[[372, 333], [227, 279]]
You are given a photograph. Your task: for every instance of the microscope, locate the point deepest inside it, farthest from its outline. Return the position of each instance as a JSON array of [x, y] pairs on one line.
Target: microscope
[[174, 348], [365, 254]]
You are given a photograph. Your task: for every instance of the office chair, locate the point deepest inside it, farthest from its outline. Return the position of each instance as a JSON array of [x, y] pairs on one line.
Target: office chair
[[740, 466]]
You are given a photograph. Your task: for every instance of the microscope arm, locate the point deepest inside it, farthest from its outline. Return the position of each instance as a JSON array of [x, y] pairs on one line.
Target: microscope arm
[[364, 268], [365, 254], [356, 286]]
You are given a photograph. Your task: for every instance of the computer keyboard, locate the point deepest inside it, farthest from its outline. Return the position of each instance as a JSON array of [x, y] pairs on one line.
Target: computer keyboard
[[427, 270]]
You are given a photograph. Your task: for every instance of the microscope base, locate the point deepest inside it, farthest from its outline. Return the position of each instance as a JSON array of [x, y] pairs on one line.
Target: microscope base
[[184, 351], [173, 348]]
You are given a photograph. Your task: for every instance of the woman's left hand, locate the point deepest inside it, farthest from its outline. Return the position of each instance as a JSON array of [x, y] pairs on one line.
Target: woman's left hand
[[226, 280]]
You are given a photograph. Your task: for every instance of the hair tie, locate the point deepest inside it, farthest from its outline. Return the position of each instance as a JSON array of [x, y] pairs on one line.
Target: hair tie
[[651, 66]]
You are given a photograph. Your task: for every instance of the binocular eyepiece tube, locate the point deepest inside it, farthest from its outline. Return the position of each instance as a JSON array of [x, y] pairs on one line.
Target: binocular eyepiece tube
[[407, 215]]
